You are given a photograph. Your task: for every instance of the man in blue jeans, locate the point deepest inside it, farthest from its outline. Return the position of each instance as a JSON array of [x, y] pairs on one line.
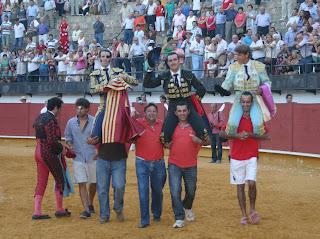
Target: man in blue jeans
[[183, 154], [150, 166], [99, 28]]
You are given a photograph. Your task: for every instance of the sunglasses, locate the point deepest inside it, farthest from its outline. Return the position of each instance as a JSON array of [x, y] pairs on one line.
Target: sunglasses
[[108, 56]]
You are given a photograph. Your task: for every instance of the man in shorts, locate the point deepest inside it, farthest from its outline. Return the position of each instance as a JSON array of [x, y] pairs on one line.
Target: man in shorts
[[244, 158], [77, 131]]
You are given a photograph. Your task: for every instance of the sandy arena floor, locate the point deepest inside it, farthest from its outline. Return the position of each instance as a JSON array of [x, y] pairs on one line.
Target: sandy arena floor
[[288, 202]]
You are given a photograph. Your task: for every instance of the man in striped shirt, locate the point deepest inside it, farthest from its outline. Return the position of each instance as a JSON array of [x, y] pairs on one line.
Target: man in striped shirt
[[6, 28]]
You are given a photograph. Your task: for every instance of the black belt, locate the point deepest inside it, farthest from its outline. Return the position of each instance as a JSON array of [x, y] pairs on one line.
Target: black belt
[[128, 29]]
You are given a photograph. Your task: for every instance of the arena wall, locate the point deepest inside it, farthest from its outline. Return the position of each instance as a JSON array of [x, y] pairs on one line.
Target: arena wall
[[294, 129]]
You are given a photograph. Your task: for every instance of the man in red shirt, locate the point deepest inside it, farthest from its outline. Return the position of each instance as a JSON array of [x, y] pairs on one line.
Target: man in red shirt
[[183, 154], [150, 165], [243, 162]]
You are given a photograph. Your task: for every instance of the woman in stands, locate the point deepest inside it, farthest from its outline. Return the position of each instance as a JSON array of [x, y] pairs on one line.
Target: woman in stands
[[64, 35]]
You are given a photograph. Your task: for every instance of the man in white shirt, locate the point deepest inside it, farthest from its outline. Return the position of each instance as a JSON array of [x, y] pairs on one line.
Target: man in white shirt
[[19, 31], [50, 12], [233, 44], [263, 21], [51, 43], [33, 67], [62, 66], [221, 46], [151, 13], [128, 26], [178, 20], [190, 19], [293, 19], [137, 51], [197, 52], [122, 56], [257, 48], [21, 66], [139, 33], [195, 31], [196, 7], [75, 36], [125, 11]]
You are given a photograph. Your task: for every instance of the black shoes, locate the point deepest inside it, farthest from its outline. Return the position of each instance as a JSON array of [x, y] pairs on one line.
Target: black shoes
[[40, 217], [64, 213], [85, 215], [91, 209]]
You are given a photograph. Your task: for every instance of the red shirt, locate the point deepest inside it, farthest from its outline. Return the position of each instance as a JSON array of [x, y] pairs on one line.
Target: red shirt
[[148, 145], [160, 11], [210, 20], [204, 24], [184, 151], [244, 149], [226, 4]]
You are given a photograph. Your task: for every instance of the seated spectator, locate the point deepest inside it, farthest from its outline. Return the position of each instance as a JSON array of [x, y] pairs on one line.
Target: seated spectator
[[257, 48], [52, 66], [41, 47], [282, 60], [51, 43], [316, 58], [43, 66], [179, 37], [6, 75], [62, 66], [233, 44], [293, 62], [71, 66], [247, 38], [212, 68], [33, 67], [81, 40], [122, 56]]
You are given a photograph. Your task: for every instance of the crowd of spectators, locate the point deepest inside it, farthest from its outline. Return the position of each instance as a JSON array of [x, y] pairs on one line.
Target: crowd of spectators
[[204, 34]]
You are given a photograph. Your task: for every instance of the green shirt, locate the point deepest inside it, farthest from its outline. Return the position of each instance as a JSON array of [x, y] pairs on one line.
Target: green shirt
[[170, 9]]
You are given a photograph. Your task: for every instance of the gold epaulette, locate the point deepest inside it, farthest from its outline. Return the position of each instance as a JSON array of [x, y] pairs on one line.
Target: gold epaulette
[[259, 66], [95, 73], [117, 70]]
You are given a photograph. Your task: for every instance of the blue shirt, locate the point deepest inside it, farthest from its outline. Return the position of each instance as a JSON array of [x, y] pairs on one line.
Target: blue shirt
[[220, 18], [247, 40], [230, 14], [78, 138], [289, 38], [43, 29], [185, 10]]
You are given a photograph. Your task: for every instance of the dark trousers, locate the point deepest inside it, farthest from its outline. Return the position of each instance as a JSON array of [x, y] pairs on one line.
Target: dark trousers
[[212, 33], [33, 76], [171, 122], [60, 8], [306, 64], [189, 175], [263, 30], [216, 146], [138, 64], [150, 19], [123, 61], [128, 36]]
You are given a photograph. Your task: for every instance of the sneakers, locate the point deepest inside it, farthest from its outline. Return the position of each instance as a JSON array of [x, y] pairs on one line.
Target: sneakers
[[85, 215], [91, 209], [189, 215], [104, 220], [178, 224]]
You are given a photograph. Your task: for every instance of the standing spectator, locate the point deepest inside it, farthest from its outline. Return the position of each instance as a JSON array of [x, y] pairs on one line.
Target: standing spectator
[[169, 13], [160, 13], [50, 13], [139, 20], [122, 56], [279, 43], [75, 36], [151, 13], [196, 6], [202, 23], [64, 35], [230, 26], [179, 37], [33, 29], [75, 4], [1, 11], [32, 11], [216, 121], [60, 7], [257, 48], [43, 66], [137, 51], [31, 45], [186, 44], [290, 36], [251, 19], [221, 23], [81, 64], [6, 28], [233, 44], [178, 20], [51, 43], [21, 66], [22, 15], [33, 67], [185, 8], [190, 19], [221, 47], [77, 131], [140, 8], [43, 30], [62, 67], [7, 9], [104, 7], [305, 48], [125, 11], [99, 29], [128, 26], [270, 49], [240, 21], [19, 31], [211, 24], [139, 34], [195, 30], [197, 53], [41, 47], [226, 4], [263, 21], [286, 9], [81, 41]]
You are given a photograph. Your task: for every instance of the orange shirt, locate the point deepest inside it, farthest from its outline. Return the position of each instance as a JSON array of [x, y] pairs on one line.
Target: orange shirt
[[148, 145], [184, 151], [139, 20]]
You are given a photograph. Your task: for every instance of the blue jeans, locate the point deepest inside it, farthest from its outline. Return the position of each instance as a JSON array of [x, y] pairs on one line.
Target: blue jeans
[[18, 43], [138, 64], [197, 65], [169, 19], [220, 29], [216, 145], [105, 171], [128, 36], [189, 176], [150, 173], [99, 38]]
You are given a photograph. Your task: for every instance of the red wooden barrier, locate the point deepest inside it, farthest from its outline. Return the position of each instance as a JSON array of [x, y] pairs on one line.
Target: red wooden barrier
[[295, 127]]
